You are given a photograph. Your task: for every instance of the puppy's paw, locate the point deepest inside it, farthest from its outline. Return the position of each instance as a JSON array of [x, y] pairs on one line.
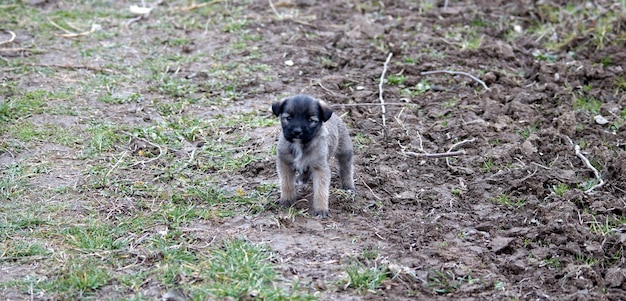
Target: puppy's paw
[[321, 213], [350, 191]]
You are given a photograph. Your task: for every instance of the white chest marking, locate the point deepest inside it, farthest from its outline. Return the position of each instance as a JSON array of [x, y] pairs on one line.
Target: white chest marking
[[296, 149]]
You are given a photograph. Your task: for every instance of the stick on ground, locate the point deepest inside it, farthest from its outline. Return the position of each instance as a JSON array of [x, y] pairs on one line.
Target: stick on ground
[[457, 72], [13, 35], [588, 164], [380, 88]]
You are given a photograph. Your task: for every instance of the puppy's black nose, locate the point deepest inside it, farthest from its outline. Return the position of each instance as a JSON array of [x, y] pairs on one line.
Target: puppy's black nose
[[297, 131]]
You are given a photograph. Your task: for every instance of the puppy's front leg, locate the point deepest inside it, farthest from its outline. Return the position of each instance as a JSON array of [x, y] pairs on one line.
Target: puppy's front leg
[[287, 175], [321, 187]]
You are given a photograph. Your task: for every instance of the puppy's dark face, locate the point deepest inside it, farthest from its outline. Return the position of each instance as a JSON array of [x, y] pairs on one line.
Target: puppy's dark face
[[301, 117]]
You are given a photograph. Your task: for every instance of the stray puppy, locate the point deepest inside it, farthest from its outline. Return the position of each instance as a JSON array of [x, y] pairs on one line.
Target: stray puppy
[[311, 135]]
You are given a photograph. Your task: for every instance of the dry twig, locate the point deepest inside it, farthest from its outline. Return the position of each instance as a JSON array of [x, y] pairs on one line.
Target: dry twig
[[369, 104], [161, 151], [280, 17], [380, 88], [457, 72], [70, 34], [588, 164], [582, 157], [196, 6], [435, 155], [92, 68], [458, 144], [13, 35]]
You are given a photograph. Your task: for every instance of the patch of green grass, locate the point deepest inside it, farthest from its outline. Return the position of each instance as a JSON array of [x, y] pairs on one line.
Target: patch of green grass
[[95, 237], [237, 269], [604, 227], [445, 282], [506, 200], [560, 189], [526, 131], [395, 80], [103, 137], [588, 104], [488, 165], [78, 278], [17, 107], [17, 249], [553, 262], [366, 279], [27, 132], [13, 182], [361, 141]]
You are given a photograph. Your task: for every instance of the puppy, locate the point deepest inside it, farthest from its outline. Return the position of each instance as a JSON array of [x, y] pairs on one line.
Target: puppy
[[311, 135]]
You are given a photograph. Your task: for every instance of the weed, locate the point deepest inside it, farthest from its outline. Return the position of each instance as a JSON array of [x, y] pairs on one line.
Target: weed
[[526, 131], [12, 182], [605, 228], [551, 262], [363, 278], [560, 189], [587, 104], [488, 165], [506, 200], [444, 282], [585, 260], [395, 80]]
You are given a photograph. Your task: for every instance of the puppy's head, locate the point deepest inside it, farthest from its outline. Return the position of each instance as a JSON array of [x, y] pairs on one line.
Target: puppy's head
[[301, 117]]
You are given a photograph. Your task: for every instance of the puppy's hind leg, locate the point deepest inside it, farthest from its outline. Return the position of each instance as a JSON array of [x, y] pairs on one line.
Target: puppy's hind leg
[[321, 188], [345, 170], [287, 175]]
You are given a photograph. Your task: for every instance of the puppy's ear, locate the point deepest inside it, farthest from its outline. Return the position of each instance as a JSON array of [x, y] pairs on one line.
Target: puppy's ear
[[325, 111], [277, 107]]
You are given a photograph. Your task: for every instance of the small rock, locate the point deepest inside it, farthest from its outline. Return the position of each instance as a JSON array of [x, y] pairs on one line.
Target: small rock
[[528, 148], [600, 119], [289, 63], [615, 277], [499, 243]]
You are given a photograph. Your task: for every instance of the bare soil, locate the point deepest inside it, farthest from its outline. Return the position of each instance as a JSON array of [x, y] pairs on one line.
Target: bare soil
[[491, 214]]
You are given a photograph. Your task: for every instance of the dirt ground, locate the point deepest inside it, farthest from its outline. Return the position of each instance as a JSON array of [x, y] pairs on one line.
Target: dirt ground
[[488, 224]]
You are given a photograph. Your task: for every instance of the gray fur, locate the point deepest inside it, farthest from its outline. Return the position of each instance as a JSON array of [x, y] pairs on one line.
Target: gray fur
[[305, 155]]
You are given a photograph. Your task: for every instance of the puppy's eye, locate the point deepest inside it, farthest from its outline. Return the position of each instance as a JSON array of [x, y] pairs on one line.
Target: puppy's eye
[[287, 118], [312, 120]]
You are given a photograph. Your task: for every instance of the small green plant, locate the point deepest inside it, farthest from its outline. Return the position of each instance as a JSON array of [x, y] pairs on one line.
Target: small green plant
[[551, 262], [560, 189], [363, 278], [445, 282], [396, 80], [488, 165], [588, 104], [506, 200], [526, 131], [605, 228]]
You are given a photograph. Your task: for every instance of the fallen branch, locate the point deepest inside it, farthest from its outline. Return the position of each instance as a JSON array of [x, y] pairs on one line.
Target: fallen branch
[[196, 6], [435, 155], [588, 164], [380, 88], [458, 144], [13, 35], [92, 68], [280, 17], [161, 151], [15, 49], [368, 104], [454, 73], [70, 34]]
